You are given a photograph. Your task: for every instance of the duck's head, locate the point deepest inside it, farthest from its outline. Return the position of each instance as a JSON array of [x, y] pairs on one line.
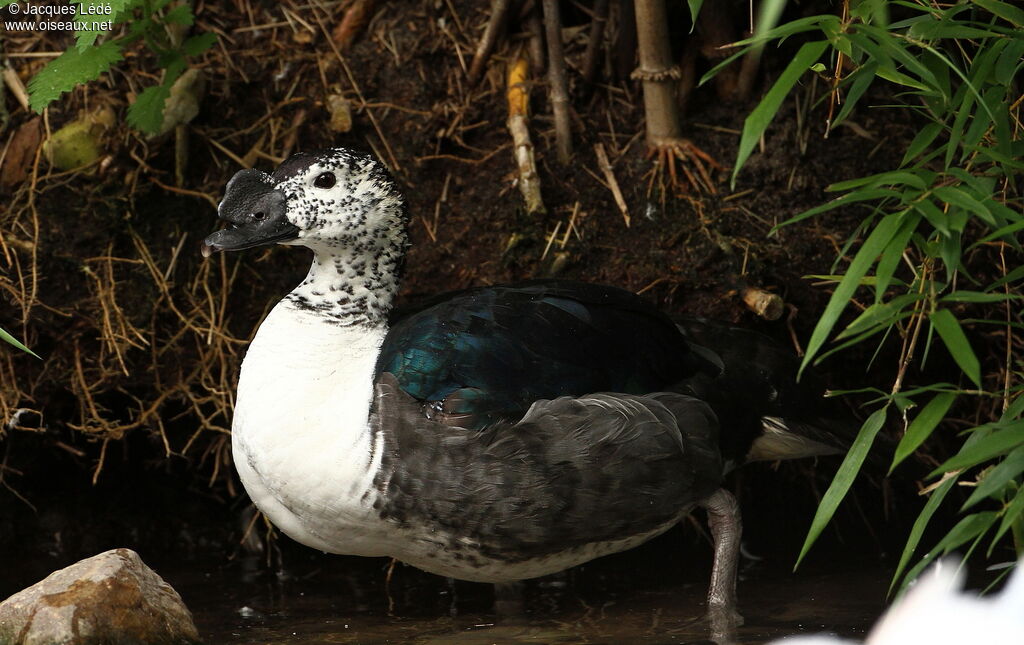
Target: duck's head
[[330, 201]]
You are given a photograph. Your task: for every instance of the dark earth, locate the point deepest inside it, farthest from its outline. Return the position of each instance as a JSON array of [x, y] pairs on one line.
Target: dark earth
[[136, 454]]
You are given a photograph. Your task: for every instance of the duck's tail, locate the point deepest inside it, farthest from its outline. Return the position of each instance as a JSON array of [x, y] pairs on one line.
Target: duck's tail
[[765, 414]]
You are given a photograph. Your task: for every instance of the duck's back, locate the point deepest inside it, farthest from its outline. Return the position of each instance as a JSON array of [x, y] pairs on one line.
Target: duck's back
[[486, 354]]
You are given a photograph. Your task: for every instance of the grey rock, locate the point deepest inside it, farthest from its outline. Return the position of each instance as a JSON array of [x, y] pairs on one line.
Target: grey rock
[[112, 599]]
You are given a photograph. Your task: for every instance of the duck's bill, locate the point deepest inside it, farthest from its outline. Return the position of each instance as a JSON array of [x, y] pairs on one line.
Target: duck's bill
[[242, 237], [256, 212]]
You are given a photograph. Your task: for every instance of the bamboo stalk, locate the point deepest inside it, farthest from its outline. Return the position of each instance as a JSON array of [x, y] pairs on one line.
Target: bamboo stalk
[[535, 28], [597, 26], [557, 81], [518, 119], [499, 10], [625, 40], [657, 72]]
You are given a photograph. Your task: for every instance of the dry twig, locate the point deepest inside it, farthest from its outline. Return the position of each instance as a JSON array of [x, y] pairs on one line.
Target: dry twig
[[518, 119]]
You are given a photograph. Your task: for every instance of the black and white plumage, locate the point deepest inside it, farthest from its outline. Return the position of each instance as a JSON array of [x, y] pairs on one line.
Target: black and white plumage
[[496, 434]]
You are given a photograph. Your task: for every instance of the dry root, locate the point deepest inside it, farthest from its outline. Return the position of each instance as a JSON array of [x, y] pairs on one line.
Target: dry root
[[683, 165]]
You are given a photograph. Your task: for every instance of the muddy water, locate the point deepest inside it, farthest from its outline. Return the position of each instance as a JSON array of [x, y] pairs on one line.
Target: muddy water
[[343, 600]]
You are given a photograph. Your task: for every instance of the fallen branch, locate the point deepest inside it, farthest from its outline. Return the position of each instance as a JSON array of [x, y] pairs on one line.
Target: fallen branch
[[518, 118], [765, 304], [483, 52], [613, 184]]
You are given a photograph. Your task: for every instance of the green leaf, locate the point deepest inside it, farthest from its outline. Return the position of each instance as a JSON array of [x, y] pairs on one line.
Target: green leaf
[[1003, 232], [968, 528], [881, 313], [921, 141], [863, 78], [85, 38], [959, 197], [893, 253], [1011, 514], [180, 15], [14, 341], [876, 242], [922, 426], [69, 69], [694, 12], [863, 195], [147, 112], [990, 446], [198, 44], [956, 342], [1012, 276], [1009, 62], [935, 216], [847, 472], [920, 524], [1016, 408], [978, 296], [917, 178], [757, 122], [1005, 11], [997, 478]]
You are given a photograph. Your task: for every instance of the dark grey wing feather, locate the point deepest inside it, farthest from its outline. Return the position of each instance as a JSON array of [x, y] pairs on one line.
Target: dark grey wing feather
[[573, 471]]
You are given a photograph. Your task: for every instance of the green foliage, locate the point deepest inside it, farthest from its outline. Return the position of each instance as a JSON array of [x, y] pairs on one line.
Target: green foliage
[[150, 21], [69, 69], [938, 230], [4, 336]]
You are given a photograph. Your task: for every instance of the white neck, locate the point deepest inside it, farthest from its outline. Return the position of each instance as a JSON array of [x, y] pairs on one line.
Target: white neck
[[301, 436]]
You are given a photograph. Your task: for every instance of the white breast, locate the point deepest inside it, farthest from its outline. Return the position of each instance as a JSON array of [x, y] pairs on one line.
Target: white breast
[[300, 434]]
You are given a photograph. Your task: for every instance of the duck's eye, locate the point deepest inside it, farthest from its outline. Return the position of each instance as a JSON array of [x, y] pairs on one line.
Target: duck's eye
[[325, 180]]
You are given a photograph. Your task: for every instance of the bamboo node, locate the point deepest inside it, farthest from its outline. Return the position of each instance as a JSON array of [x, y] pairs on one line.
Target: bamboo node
[[641, 74]]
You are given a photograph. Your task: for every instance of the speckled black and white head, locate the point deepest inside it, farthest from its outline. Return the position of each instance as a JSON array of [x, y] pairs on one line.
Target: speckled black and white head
[[341, 199], [343, 205]]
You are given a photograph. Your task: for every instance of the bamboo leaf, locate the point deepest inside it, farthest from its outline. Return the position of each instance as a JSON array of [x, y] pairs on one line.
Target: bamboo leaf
[[862, 195], [998, 477], [978, 296], [694, 12], [847, 472], [953, 337], [876, 242], [1011, 515], [968, 528], [922, 426], [864, 77], [880, 313], [755, 124], [893, 253], [959, 197], [919, 179], [1005, 11], [920, 524], [14, 341], [988, 447], [921, 141]]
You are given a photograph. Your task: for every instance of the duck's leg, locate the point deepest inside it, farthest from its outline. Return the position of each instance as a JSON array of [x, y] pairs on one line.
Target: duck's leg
[[508, 600], [724, 520]]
